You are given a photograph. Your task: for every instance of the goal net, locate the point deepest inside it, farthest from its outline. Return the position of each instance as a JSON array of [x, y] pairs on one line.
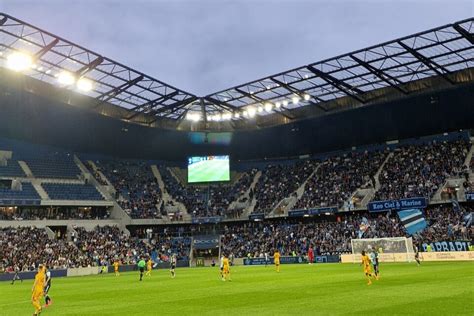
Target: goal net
[[393, 245]]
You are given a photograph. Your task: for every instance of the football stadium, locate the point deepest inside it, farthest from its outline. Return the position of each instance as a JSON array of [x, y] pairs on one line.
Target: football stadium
[[343, 186]]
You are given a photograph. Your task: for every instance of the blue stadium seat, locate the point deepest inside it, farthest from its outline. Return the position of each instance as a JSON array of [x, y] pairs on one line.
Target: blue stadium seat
[[84, 192]]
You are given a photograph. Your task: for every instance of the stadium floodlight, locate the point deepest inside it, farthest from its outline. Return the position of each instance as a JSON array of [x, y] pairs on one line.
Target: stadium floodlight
[[251, 112], [277, 105], [195, 117], [84, 84], [268, 107], [66, 78], [19, 61], [245, 113], [285, 102], [295, 100], [260, 109], [218, 117], [307, 97], [226, 116], [237, 115]]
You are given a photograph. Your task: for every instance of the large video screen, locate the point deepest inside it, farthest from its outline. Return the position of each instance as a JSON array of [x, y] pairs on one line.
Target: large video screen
[[208, 169]]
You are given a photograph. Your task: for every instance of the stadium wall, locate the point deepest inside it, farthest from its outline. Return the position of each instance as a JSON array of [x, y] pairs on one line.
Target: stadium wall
[[40, 119]]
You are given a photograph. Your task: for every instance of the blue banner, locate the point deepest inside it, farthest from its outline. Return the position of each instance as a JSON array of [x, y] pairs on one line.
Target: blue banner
[[297, 213], [413, 220], [381, 206], [14, 202], [440, 246], [283, 260], [260, 216], [206, 220], [289, 260], [322, 210], [312, 211], [469, 196]]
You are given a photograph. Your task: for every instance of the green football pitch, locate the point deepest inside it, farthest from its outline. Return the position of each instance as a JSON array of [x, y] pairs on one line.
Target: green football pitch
[[325, 289], [209, 171]]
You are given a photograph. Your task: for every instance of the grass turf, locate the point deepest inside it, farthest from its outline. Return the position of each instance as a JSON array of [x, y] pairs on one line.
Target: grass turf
[[327, 289], [209, 171]]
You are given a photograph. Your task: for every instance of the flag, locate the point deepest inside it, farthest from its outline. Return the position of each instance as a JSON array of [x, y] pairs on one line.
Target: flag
[[413, 220], [363, 227], [456, 206], [468, 219]]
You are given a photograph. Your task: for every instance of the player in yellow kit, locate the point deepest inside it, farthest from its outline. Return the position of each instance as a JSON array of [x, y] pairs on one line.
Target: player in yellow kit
[[276, 260], [367, 268], [225, 269], [116, 268], [149, 267], [37, 291]]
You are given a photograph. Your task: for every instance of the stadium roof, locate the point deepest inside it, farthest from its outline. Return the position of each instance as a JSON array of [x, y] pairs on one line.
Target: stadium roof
[[388, 68]]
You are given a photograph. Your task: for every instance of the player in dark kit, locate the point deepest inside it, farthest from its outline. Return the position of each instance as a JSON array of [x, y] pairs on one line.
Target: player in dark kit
[[47, 299], [417, 255], [17, 275], [173, 265]]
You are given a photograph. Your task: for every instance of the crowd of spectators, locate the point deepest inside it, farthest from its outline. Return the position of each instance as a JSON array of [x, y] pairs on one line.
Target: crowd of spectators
[[210, 200], [53, 213], [26, 247], [420, 170], [138, 191], [338, 177], [293, 236], [96, 173], [279, 181]]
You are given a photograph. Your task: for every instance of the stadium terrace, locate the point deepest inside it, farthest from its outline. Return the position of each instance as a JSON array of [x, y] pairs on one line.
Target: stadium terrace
[[274, 187]]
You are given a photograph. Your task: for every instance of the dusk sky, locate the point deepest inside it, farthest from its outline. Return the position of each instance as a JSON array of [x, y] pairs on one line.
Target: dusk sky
[[208, 45]]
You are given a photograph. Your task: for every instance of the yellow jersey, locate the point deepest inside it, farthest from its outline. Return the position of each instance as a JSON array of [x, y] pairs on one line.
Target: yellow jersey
[[276, 257], [39, 282], [366, 261], [149, 263], [225, 262], [116, 265]]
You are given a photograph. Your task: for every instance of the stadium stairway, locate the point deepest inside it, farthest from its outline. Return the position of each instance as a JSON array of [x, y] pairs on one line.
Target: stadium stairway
[[251, 205], [26, 169], [166, 197], [366, 195], [107, 191], [288, 203], [42, 192]]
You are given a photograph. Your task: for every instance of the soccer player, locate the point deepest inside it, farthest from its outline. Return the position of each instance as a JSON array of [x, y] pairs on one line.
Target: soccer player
[[173, 265], [310, 255], [417, 255], [17, 275], [367, 269], [37, 291], [149, 267], [141, 266], [374, 257], [276, 260], [47, 299], [266, 259], [225, 269], [116, 268], [221, 266]]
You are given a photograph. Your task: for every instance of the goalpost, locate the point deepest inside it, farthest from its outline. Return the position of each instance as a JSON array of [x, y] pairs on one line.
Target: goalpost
[[401, 247]]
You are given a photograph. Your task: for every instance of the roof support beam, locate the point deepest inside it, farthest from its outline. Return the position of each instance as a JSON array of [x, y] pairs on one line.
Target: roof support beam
[[173, 107], [117, 90], [427, 62], [3, 20], [221, 104], [380, 74], [338, 84], [152, 104], [46, 48], [464, 33], [86, 68], [299, 93], [259, 100]]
